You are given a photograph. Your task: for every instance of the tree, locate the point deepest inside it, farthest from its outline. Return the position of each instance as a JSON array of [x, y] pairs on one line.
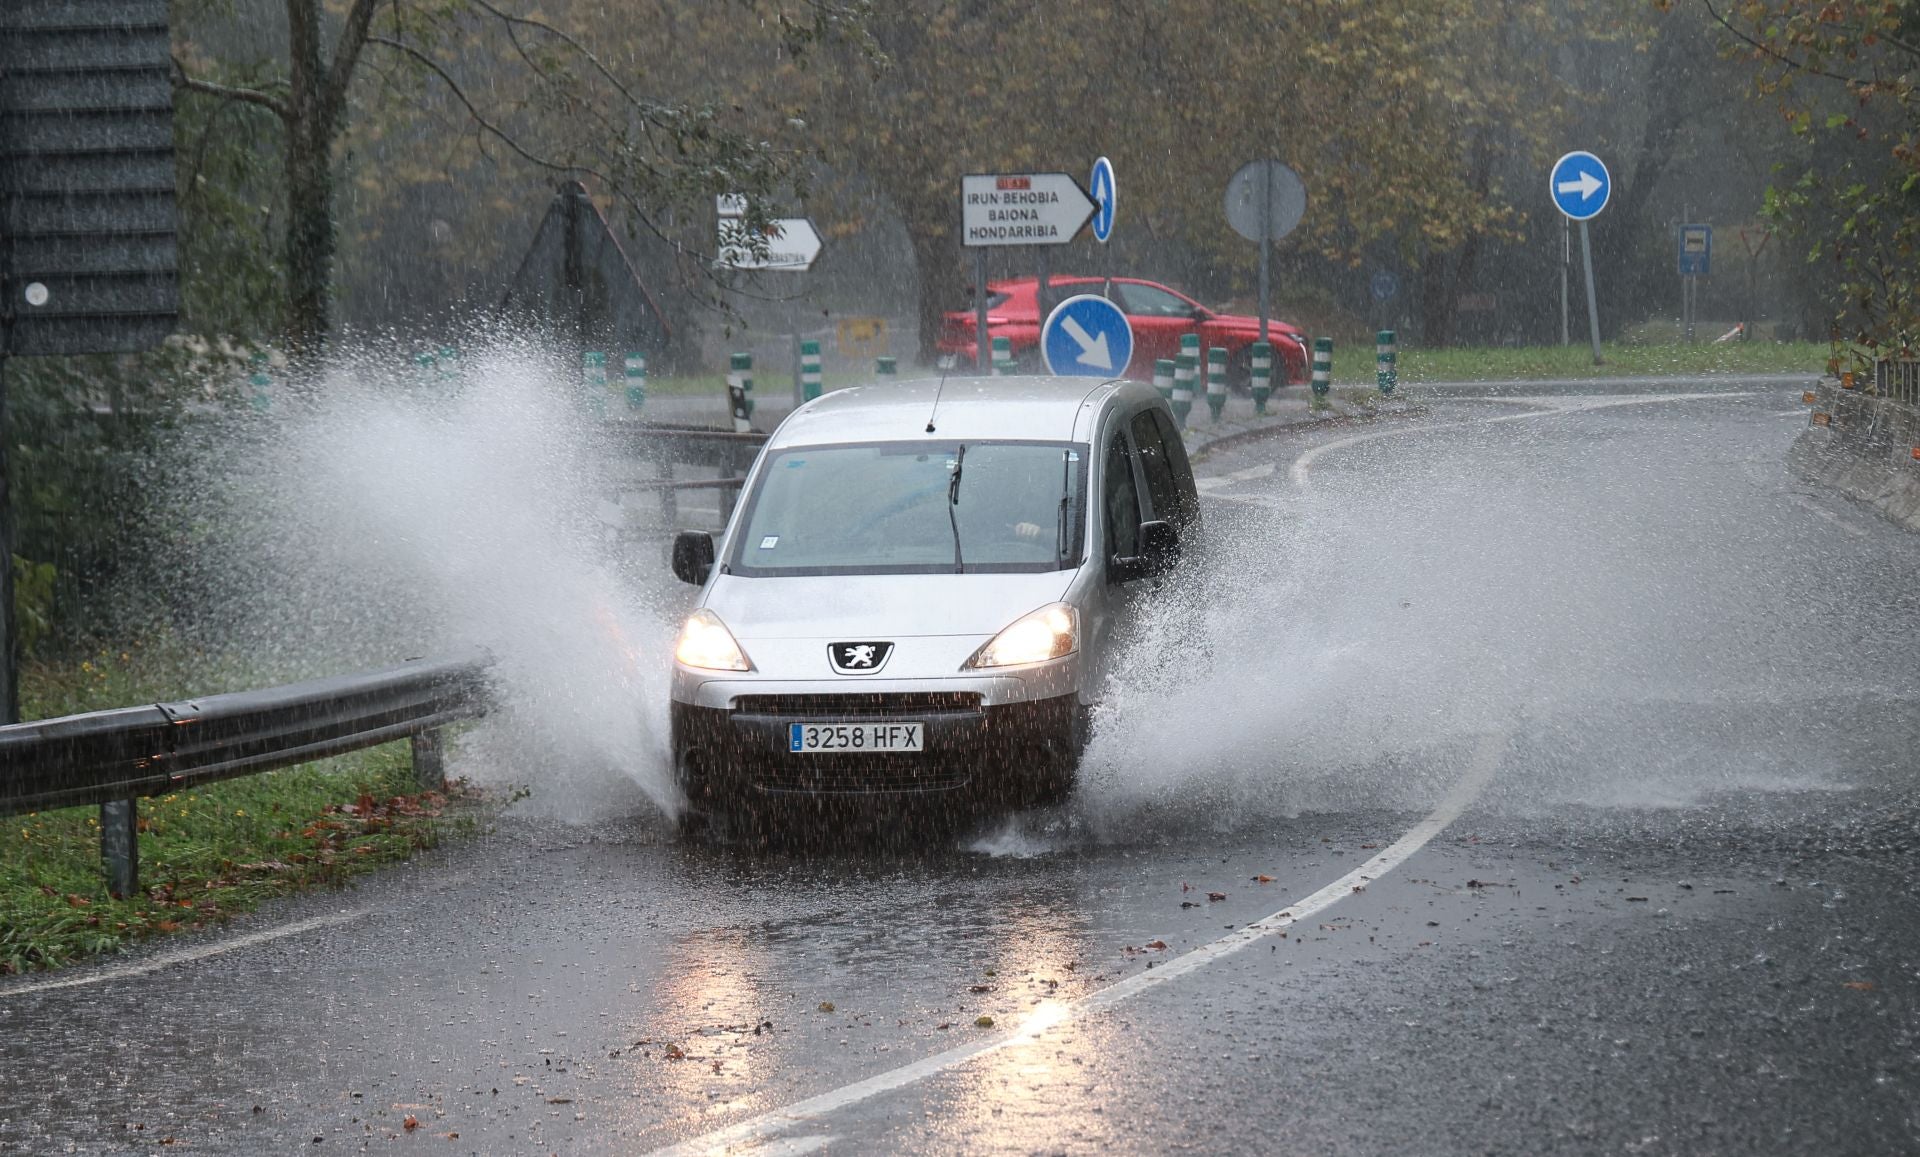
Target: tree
[[1847, 74], [650, 153]]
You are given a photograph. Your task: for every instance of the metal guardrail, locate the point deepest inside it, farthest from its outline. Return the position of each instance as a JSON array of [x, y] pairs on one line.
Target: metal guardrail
[[112, 757], [1898, 379]]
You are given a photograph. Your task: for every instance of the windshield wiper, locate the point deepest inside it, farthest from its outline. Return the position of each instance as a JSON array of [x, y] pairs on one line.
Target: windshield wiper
[[953, 505], [1066, 497]]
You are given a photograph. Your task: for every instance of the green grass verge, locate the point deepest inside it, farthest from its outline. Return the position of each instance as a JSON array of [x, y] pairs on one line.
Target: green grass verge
[[1576, 361], [205, 854]]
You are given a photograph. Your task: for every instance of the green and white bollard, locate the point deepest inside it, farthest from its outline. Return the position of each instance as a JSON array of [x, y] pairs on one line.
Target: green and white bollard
[[260, 384], [1184, 372], [1163, 377], [593, 382], [1322, 370], [423, 369], [1216, 381], [1002, 357], [740, 373], [1261, 364], [447, 362], [636, 392], [1386, 357], [886, 368], [809, 370]]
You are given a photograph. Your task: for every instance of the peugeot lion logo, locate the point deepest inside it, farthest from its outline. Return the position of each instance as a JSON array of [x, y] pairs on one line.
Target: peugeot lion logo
[[858, 658]]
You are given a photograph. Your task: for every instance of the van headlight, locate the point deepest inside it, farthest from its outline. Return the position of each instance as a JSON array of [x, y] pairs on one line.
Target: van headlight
[[1048, 633], [706, 643]]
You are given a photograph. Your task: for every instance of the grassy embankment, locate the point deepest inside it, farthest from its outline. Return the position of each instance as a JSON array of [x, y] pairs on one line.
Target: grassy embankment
[[205, 854]]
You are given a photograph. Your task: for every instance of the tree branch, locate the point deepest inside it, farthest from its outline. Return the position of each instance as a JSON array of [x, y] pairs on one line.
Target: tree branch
[[265, 100], [1776, 54], [479, 118], [353, 37]]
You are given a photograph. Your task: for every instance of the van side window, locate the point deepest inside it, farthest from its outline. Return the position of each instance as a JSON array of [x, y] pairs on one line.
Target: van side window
[[1177, 461], [1121, 499], [1162, 490]]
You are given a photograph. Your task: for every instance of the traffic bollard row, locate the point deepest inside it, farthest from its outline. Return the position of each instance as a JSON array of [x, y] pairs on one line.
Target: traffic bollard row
[[1216, 381], [1183, 375], [740, 373], [809, 370], [593, 382], [1262, 375], [1322, 368], [886, 368], [1386, 356], [1163, 378], [1002, 357], [636, 393], [260, 384]]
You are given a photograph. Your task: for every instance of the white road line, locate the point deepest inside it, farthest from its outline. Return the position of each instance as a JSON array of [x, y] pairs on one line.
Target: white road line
[[1812, 507], [183, 956], [1550, 408], [765, 1129]]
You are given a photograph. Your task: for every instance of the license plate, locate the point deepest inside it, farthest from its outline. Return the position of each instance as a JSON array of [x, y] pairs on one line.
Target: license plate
[[819, 738]]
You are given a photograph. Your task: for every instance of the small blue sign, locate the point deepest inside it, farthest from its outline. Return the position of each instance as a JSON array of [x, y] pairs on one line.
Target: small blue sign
[[1580, 185], [1087, 336], [1105, 194], [1385, 286], [1696, 250]]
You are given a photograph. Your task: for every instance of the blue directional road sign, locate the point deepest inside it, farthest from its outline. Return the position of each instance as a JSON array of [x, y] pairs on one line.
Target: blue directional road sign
[[1087, 336], [1105, 193], [1580, 185], [1384, 285], [1696, 250]]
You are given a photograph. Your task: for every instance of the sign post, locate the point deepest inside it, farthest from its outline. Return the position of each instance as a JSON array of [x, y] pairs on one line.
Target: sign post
[[1580, 185], [999, 209], [1265, 201], [1696, 261]]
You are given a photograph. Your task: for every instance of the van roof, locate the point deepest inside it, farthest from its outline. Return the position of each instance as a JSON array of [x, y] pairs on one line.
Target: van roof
[[1052, 409]]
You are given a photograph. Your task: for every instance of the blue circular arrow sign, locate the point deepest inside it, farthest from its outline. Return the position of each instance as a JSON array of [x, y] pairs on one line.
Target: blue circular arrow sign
[[1105, 194], [1579, 185], [1087, 336]]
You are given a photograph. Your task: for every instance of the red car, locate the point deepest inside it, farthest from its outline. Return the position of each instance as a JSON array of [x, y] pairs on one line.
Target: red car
[[1159, 316]]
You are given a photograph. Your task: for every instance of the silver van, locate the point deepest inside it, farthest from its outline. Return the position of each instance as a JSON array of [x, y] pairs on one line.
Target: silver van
[[914, 596]]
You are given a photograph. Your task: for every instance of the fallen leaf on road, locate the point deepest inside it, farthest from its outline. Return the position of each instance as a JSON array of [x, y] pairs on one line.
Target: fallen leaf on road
[[410, 1124], [559, 1100], [1859, 985], [983, 1022], [980, 988], [1157, 944], [675, 1053], [826, 1006], [944, 1026], [1263, 879], [1215, 897]]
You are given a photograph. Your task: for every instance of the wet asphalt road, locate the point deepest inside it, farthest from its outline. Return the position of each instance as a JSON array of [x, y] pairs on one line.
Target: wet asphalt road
[[1678, 917]]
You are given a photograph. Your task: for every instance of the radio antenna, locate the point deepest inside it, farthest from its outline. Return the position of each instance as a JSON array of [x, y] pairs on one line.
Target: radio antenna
[[946, 364]]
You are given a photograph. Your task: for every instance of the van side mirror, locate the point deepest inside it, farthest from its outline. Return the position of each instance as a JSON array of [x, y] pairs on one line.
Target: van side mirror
[[692, 556], [1159, 551]]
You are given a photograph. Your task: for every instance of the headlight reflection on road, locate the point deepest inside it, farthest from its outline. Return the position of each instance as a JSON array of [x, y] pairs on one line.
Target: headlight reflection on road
[[707, 1004]]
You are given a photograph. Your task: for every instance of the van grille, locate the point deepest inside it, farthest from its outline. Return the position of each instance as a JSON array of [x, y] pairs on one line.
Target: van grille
[[904, 703]]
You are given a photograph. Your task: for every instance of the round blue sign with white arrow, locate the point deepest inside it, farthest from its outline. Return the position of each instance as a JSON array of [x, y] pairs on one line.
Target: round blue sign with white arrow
[[1087, 336], [1580, 185], [1105, 193]]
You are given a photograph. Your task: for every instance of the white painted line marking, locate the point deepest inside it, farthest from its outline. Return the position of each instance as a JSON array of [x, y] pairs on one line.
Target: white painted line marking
[[183, 956], [1812, 507], [761, 1130], [1551, 408]]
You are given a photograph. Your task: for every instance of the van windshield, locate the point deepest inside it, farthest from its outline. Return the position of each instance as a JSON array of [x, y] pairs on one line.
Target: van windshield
[[914, 508]]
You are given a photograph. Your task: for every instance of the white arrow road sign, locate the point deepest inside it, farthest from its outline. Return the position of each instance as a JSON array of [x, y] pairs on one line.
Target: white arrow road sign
[[1093, 350], [1586, 186], [1022, 209], [792, 245]]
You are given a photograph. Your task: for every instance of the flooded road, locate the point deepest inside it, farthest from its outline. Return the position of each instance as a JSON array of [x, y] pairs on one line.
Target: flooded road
[[1530, 774]]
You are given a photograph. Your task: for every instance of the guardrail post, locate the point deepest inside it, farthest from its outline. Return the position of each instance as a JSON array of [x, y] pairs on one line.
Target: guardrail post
[[1183, 374], [1216, 381], [1386, 355], [1002, 357], [809, 370], [636, 367], [886, 368], [1163, 378], [429, 760], [1322, 370], [593, 382], [1261, 364], [120, 847], [740, 373]]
